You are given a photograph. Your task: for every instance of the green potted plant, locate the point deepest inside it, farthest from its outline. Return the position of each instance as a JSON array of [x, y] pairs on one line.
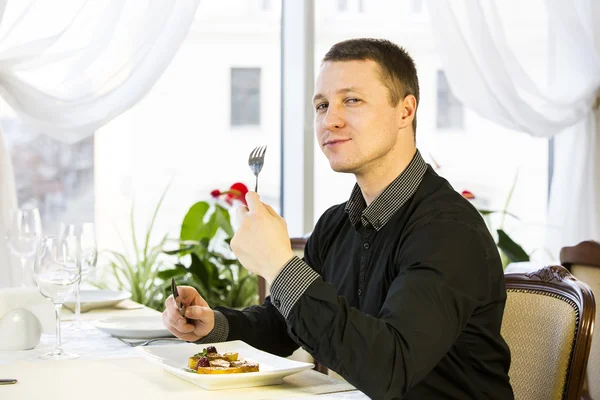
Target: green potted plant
[[510, 251], [205, 260], [138, 272]]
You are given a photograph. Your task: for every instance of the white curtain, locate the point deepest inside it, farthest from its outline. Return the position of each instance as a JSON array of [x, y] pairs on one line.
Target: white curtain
[[487, 75], [67, 67]]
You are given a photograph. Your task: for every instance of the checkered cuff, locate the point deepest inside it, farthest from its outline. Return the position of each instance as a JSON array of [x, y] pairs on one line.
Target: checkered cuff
[[219, 332], [291, 283]]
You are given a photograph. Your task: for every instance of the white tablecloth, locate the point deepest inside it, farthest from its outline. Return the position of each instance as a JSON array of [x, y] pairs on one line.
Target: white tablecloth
[[110, 369]]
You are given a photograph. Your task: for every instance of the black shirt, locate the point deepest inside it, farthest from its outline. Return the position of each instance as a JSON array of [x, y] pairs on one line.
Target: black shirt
[[403, 298]]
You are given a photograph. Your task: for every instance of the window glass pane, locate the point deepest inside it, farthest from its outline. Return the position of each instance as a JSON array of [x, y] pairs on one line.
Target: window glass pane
[[475, 154], [245, 96], [181, 136], [56, 177]]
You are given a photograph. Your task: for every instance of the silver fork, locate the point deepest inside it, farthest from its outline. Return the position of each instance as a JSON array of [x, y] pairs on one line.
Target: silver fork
[[145, 342], [256, 162]]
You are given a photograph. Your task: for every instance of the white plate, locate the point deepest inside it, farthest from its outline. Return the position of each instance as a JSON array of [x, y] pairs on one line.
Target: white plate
[[98, 299], [147, 327], [272, 369]]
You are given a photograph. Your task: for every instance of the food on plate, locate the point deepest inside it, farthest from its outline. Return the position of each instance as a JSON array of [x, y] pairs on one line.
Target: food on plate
[[210, 361]]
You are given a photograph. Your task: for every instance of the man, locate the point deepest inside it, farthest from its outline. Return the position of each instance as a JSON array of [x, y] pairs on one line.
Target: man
[[401, 290]]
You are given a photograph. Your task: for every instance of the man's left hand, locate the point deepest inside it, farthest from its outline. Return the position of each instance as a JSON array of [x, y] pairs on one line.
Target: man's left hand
[[262, 243]]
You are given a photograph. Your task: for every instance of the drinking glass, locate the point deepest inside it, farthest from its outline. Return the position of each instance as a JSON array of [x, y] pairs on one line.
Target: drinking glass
[[88, 258], [23, 230], [56, 271]]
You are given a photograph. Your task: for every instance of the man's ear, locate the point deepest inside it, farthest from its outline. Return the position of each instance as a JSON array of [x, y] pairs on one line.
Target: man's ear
[[408, 110]]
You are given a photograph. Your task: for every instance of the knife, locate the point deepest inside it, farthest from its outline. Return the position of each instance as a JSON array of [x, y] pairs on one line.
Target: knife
[[7, 381], [180, 306]]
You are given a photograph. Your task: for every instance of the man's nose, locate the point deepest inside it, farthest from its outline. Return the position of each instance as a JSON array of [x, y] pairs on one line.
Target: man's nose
[[334, 119]]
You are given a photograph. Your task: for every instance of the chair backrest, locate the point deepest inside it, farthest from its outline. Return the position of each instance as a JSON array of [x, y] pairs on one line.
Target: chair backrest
[[298, 246], [583, 261], [548, 323]]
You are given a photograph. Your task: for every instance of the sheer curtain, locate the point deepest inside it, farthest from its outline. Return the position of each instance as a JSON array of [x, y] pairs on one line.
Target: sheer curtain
[[485, 73], [68, 69]]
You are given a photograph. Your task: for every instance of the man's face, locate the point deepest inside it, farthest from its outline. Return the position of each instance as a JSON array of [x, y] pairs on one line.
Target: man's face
[[355, 123]]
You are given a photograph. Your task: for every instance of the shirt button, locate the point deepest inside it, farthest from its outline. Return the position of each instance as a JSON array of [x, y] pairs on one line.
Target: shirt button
[[277, 303], [366, 246], [360, 292]]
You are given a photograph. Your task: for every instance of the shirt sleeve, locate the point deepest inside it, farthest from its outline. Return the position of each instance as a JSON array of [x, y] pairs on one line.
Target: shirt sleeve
[[219, 332], [263, 326], [442, 278]]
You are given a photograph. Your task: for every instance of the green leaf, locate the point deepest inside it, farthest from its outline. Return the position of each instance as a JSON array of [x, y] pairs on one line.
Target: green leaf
[[184, 250], [209, 229], [488, 212], [193, 222], [151, 225], [224, 220], [199, 269], [513, 251], [171, 273]]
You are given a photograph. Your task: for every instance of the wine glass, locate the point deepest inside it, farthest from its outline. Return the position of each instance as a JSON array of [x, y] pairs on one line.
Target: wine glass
[[88, 259], [56, 272], [23, 230]]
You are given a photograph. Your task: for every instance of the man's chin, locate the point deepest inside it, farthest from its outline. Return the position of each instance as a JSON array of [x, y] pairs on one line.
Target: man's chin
[[343, 168]]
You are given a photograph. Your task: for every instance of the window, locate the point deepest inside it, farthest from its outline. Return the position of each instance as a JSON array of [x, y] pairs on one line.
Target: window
[[480, 156], [245, 96], [56, 177], [179, 134], [450, 113]]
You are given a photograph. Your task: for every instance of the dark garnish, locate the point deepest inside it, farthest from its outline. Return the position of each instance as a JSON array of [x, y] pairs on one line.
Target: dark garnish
[[203, 362]]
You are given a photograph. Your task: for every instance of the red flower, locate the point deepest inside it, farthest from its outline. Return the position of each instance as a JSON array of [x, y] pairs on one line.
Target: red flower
[[237, 191], [468, 195]]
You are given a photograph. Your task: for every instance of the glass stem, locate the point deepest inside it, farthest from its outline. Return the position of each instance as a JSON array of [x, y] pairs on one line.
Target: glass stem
[[23, 271], [77, 303], [57, 309]]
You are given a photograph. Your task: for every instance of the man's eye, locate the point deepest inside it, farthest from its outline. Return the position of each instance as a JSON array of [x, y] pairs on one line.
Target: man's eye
[[353, 100], [321, 106]]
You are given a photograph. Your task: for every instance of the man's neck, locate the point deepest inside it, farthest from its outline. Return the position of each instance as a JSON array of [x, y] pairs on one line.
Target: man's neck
[[378, 177]]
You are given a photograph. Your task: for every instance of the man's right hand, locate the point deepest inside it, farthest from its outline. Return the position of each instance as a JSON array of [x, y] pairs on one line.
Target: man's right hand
[[197, 311]]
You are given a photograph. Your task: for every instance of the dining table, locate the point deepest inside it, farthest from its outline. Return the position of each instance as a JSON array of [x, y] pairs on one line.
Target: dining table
[[112, 368]]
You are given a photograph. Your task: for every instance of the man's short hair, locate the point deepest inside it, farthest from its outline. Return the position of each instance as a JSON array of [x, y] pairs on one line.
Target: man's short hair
[[398, 71]]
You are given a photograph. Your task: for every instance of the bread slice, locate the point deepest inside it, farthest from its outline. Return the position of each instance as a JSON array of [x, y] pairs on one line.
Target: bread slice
[[240, 367], [227, 363]]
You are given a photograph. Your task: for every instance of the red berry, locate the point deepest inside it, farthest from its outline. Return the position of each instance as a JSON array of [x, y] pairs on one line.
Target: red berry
[[203, 362], [211, 349]]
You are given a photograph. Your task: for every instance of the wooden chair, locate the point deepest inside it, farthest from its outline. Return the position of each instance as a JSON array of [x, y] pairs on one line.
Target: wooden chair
[[548, 323], [583, 261]]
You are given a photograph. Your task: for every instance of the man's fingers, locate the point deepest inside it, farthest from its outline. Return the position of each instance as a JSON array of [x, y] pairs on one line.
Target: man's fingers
[[271, 210], [175, 323], [254, 203], [190, 337], [240, 213], [190, 296], [198, 312]]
